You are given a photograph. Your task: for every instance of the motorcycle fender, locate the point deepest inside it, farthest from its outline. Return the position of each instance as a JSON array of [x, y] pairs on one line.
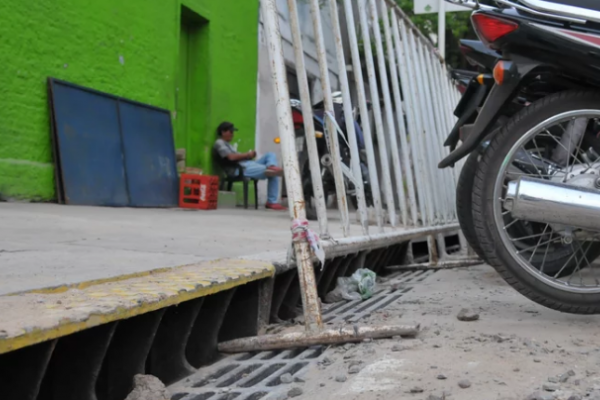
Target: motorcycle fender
[[473, 134]]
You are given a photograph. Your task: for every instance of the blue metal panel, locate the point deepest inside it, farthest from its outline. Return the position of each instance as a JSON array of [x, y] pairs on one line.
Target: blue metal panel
[[89, 142], [149, 155]]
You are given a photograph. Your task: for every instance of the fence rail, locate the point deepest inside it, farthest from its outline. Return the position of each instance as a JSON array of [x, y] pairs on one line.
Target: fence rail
[[412, 99]]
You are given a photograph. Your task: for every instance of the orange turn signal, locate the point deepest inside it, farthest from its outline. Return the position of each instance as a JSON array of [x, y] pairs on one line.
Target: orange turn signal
[[499, 72], [480, 79], [277, 140], [318, 134]]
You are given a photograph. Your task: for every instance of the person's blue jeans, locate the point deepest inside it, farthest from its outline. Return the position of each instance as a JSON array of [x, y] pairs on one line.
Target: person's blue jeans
[[256, 169]]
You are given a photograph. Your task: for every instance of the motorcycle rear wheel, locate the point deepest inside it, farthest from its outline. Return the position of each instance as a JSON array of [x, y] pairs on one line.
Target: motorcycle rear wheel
[[489, 217], [464, 209]]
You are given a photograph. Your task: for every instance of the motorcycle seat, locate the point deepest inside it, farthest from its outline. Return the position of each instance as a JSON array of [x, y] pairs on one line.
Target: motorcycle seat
[[554, 5]]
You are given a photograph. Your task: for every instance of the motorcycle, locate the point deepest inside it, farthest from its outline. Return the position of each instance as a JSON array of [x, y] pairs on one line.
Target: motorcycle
[[531, 135], [319, 120]]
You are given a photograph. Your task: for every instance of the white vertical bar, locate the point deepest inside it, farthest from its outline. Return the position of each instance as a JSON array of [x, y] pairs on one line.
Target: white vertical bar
[[310, 299], [340, 187], [388, 111], [349, 118], [383, 158], [364, 112], [399, 113], [436, 93], [412, 106], [422, 112], [430, 143], [309, 126]]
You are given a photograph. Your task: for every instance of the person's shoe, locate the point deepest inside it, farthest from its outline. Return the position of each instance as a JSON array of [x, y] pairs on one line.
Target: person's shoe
[[275, 206], [274, 171]]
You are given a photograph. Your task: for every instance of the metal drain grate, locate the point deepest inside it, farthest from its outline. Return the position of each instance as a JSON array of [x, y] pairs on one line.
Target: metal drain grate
[[396, 286], [252, 376], [247, 376]]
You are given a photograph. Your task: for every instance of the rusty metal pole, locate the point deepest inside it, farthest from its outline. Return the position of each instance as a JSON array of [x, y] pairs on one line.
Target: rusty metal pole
[[306, 274]]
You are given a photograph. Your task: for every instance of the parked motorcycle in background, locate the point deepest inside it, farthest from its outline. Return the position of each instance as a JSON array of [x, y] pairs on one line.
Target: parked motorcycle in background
[[325, 154], [531, 132]]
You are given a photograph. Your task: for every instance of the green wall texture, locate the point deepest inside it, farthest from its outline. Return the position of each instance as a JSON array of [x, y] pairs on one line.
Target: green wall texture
[[129, 48]]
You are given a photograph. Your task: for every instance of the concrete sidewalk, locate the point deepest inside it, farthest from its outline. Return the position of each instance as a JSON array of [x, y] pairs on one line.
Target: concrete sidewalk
[[45, 245]]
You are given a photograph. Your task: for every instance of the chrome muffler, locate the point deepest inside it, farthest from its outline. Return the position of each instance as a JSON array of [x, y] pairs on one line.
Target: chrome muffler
[[549, 202]]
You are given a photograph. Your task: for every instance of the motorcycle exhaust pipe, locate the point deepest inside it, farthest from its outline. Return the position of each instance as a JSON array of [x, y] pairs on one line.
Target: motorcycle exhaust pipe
[[548, 202]]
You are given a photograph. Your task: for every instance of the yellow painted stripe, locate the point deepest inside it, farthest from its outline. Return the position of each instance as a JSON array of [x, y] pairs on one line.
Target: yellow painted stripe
[[34, 317], [86, 284]]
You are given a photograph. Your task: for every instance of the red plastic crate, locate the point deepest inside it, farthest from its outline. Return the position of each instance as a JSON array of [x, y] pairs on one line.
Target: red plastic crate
[[198, 191]]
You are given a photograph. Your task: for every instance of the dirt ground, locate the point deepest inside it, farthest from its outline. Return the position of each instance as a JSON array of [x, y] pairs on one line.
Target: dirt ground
[[516, 349]]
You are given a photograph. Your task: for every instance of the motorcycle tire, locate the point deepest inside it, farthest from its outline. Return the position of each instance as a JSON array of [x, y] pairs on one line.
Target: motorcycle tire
[[464, 209], [496, 253]]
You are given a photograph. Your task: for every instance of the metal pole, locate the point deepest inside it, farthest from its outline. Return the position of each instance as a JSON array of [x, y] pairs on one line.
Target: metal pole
[[385, 165], [387, 101], [422, 112], [400, 114], [364, 112], [414, 122], [443, 106], [340, 187], [306, 275], [442, 29], [309, 126], [436, 93], [430, 143], [347, 103]]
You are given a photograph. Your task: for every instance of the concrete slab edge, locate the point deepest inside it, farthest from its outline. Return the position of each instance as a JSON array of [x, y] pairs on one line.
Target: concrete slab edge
[[33, 317]]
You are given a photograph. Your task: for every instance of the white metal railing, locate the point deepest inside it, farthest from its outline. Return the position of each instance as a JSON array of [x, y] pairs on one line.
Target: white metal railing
[[410, 122]]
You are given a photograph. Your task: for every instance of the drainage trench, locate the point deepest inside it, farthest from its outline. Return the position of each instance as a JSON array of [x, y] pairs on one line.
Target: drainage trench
[[173, 342]]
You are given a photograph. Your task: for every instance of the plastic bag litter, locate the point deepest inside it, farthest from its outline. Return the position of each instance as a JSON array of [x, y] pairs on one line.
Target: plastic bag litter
[[365, 279], [359, 286]]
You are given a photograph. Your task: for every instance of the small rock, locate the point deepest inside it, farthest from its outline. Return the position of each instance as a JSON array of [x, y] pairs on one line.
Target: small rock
[[550, 387], [299, 379], [295, 392], [278, 396], [148, 387], [553, 379], [467, 315], [434, 397], [354, 362], [516, 370], [417, 389], [575, 397], [341, 378], [286, 378], [464, 384], [322, 385], [326, 361], [436, 346], [442, 377], [540, 396], [537, 360], [433, 367], [396, 348], [368, 340], [354, 369]]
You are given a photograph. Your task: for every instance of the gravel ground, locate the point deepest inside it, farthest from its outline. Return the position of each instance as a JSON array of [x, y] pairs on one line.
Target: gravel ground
[[515, 350]]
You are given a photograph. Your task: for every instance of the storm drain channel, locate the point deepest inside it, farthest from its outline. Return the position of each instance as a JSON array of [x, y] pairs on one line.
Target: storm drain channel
[[252, 376]]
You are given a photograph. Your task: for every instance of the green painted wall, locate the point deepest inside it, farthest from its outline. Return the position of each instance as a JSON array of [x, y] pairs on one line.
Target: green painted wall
[[128, 48]]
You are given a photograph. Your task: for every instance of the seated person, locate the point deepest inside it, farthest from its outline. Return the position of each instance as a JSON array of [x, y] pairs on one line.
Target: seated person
[[263, 168]]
